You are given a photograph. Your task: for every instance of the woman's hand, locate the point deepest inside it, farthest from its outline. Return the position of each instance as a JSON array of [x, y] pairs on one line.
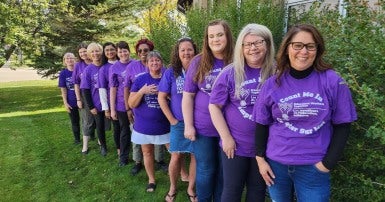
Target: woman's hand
[[114, 116], [94, 111], [68, 107], [189, 133], [107, 114], [265, 170], [229, 147], [130, 116], [320, 166], [149, 89], [80, 104]]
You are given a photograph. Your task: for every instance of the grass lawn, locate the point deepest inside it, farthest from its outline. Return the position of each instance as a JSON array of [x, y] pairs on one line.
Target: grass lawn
[[39, 162]]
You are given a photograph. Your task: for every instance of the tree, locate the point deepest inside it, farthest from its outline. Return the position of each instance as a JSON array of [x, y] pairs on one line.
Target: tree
[[44, 29]]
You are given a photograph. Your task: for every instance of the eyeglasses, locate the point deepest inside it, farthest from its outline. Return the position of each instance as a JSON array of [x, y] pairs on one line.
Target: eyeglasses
[[255, 43], [300, 45], [143, 50]]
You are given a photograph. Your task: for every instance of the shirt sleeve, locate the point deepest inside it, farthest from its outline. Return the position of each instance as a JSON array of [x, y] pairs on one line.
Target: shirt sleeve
[[220, 93], [61, 81], [262, 111], [165, 83]]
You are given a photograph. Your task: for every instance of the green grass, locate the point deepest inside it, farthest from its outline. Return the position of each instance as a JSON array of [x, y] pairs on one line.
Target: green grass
[[39, 162]]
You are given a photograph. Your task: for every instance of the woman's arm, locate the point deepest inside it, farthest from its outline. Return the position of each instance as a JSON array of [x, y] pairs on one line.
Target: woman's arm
[[113, 103], [228, 143], [336, 147], [136, 97], [162, 99], [261, 135], [188, 115], [64, 97], [78, 96]]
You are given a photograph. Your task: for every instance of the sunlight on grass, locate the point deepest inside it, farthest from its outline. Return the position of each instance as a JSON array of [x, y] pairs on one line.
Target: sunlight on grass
[[25, 113]]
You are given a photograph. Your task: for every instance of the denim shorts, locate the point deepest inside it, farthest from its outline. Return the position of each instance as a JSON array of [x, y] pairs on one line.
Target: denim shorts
[[178, 143]]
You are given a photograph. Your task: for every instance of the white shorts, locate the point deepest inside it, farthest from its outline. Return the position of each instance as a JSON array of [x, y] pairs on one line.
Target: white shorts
[[140, 138]]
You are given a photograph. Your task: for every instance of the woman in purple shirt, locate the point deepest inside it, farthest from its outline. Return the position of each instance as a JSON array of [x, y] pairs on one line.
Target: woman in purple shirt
[[134, 70], [90, 91], [88, 123], [303, 117], [118, 73], [217, 52], [170, 100], [109, 58], [151, 126], [68, 94], [231, 105]]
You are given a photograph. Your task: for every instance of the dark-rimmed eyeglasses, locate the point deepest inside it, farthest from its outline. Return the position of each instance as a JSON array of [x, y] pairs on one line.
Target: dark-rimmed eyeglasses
[[255, 43], [145, 50], [300, 45]]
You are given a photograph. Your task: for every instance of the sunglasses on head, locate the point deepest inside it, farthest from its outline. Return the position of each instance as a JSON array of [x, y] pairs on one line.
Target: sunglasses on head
[[143, 50]]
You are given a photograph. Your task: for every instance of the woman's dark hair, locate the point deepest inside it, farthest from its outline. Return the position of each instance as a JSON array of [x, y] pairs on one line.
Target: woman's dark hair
[[207, 58], [144, 41], [80, 46], [104, 58], [175, 62], [283, 62]]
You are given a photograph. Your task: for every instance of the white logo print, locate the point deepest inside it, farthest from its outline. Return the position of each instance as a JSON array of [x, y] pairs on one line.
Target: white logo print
[[285, 109], [243, 94]]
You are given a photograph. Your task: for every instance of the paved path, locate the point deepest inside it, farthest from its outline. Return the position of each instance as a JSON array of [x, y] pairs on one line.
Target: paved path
[[7, 75]]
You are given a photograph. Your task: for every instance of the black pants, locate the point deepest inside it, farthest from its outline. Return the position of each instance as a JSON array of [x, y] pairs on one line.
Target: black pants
[[116, 133], [240, 172], [75, 123], [125, 136], [100, 130]]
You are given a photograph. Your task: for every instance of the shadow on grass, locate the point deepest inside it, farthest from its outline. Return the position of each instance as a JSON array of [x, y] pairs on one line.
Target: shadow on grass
[[29, 98]]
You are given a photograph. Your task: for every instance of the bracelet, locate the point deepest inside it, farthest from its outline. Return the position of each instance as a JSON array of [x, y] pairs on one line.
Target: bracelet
[[78, 100]]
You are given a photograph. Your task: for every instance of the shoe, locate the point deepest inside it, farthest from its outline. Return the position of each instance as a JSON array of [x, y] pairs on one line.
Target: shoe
[[77, 142], [161, 165], [103, 151], [85, 152], [151, 187], [170, 198], [122, 164], [191, 198], [136, 169]]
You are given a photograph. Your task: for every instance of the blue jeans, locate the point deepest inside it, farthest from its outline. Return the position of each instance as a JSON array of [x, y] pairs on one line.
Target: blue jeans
[[239, 172], [209, 175], [309, 183]]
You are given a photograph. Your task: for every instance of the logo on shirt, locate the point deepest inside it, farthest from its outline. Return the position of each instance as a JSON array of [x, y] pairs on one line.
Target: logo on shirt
[[179, 84], [305, 105]]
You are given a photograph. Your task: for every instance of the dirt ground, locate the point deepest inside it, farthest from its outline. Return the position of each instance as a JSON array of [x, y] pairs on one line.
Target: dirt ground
[[7, 75]]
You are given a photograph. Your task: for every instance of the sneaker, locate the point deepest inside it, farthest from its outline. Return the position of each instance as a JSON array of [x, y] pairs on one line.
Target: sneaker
[[122, 164], [77, 142], [136, 169], [103, 151], [161, 165]]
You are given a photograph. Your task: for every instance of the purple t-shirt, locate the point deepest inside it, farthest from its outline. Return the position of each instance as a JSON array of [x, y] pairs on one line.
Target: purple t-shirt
[[89, 81], [78, 71], [173, 87], [117, 77], [103, 79], [300, 114], [65, 81], [149, 118], [134, 69], [238, 111], [202, 120]]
